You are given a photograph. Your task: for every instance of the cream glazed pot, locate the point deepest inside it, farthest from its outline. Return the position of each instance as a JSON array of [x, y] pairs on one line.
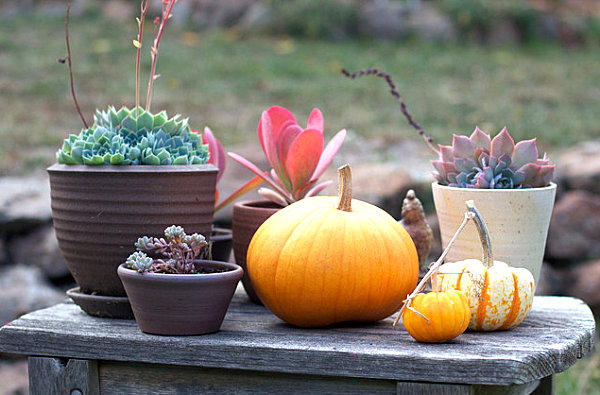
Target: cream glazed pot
[[517, 220]]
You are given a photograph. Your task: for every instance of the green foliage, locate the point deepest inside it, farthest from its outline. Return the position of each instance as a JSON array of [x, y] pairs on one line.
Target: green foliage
[[127, 137], [315, 19], [477, 16], [475, 19]]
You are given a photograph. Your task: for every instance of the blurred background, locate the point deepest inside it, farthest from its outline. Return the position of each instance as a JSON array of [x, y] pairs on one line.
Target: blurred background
[[530, 65]]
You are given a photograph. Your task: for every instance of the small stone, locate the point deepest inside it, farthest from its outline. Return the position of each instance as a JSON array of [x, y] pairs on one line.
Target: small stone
[[429, 23], [39, 248], [574, 228], [383, 19], [14, 378], [571, 174], [118, 10], [218, 13], [583, 282], [24, 289], [24, 203], [256, 18], [503, 32]]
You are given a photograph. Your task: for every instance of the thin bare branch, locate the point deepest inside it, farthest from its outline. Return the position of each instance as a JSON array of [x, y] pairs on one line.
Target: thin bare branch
[[71, 64]]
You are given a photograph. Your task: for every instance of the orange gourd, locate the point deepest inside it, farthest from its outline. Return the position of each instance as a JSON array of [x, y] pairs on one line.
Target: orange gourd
[[437, 316], [499, 296], [324, 260]]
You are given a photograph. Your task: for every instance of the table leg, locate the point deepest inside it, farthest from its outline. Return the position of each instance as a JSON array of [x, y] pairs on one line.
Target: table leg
[[546, 386], [63, 376]]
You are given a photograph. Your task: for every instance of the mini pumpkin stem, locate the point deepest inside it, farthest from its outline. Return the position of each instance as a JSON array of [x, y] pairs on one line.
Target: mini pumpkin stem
[[484, 234], [345, 188]]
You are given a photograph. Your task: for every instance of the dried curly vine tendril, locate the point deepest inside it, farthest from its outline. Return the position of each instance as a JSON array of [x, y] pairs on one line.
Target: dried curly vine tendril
[[394, 91]]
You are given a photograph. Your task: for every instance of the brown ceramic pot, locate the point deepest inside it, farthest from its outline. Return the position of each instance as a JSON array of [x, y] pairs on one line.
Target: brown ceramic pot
[[181, 304], [247, 218], [99, 212], [221, 244]]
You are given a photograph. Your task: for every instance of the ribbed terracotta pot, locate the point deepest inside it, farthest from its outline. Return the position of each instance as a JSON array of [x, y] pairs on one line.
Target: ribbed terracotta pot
[[181, 304], [248, 216], [99, 212], [517, 220]]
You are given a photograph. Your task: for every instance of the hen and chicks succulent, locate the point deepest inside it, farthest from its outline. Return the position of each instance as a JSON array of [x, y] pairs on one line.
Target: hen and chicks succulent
[[481, 162], [130, 137]]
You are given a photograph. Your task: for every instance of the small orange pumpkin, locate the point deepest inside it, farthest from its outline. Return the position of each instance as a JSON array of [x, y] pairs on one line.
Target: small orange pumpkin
[[324, 260], [437, 316], [500, 296]]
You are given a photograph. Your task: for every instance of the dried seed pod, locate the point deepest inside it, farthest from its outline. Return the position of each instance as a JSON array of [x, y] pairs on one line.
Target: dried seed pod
[[413, 220]]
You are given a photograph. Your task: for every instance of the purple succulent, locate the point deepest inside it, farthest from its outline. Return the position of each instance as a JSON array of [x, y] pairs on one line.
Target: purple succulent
[[480, 162]]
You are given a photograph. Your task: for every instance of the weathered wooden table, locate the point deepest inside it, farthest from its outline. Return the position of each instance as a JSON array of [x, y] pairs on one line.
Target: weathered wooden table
[[71, 352]]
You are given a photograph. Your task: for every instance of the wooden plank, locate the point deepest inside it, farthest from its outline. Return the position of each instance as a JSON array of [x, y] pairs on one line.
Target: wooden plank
[[558, 331], [405, 388], [124, 378], [56, 376]]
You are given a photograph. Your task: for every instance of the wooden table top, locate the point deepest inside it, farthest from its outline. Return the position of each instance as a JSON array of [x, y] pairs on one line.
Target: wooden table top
[[558, 331]]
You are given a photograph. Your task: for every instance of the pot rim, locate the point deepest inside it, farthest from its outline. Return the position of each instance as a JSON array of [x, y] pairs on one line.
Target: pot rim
[[58, 168], [235, 272], [219, 231], [256, 204], [436, 185]]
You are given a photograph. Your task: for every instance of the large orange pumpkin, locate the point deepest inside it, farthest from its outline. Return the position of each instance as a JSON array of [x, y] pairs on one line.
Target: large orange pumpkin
[[324, 260]]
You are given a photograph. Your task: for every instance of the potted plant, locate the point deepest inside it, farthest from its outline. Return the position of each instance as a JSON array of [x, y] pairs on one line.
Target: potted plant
[[171, 290], [297, 160], [510, 184], [131, 172]]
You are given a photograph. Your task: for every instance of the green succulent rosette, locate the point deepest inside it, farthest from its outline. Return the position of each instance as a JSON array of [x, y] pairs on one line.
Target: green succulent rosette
[[134, 137]]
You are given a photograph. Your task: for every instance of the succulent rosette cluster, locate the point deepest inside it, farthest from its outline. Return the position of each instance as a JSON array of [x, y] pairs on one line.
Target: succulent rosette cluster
[[175, 253], [481, 162], [296, 155]]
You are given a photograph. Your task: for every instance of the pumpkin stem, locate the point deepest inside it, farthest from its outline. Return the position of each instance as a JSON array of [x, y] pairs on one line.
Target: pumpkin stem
[[345, 188], [484, 234]]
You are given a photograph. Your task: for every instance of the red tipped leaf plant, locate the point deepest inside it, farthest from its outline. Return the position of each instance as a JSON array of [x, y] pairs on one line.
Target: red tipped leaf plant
[[296, 155]]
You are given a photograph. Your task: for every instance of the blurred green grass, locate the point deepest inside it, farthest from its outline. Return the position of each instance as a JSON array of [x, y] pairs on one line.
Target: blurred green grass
[[225, 80]]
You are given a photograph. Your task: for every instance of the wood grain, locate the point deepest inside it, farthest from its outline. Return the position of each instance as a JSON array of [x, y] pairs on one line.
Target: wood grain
[[56, 376], [558, 331], [141, 378]]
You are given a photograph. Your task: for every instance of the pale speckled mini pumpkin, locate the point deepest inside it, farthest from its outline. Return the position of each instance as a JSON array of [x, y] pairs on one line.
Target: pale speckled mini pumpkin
[[500, 297]]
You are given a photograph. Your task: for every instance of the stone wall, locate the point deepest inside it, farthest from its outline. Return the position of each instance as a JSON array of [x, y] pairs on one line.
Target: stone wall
[[571, 22]]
